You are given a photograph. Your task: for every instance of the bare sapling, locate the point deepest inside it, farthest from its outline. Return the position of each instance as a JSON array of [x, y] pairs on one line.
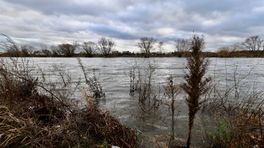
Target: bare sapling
[[171, 91], [132, 76]]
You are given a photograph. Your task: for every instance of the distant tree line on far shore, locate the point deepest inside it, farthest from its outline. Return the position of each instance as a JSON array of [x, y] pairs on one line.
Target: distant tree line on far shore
[[252, 46]]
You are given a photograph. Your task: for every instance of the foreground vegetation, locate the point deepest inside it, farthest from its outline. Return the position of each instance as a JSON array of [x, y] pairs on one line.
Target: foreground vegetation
[[33, 114]]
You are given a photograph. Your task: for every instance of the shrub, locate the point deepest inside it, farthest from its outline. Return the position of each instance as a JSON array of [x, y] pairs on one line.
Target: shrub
[[223, 52], [222, 136], [195, 85]]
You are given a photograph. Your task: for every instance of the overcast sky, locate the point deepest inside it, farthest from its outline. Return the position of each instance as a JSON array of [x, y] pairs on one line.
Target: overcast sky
[[222, 22]]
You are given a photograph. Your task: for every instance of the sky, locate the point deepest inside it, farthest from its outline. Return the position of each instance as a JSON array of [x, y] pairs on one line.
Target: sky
[[221, 22]]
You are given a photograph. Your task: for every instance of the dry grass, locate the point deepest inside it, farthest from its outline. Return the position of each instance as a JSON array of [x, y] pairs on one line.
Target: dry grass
[[102, 126], [31, 115], [239, 122], [247, 129], [242, 126]]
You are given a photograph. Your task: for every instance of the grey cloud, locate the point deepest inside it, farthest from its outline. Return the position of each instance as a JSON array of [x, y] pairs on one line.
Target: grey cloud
[[72, 7], [110, 31], [128, 20]]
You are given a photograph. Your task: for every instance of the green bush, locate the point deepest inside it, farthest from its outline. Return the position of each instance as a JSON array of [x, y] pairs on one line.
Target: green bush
[[222, 136]]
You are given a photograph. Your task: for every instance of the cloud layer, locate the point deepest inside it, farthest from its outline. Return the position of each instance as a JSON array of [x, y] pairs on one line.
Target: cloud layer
[[55, 21]]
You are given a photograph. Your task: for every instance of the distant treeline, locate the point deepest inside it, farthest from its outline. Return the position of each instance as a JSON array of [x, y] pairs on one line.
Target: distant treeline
[[149, 47], [223, 54]]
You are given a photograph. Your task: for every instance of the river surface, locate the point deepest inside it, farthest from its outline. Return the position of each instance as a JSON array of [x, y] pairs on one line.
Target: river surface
[[246, 74]]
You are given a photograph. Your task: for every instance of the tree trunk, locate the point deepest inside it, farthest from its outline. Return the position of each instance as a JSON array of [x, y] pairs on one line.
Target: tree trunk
[[191, 118], [172, 118]]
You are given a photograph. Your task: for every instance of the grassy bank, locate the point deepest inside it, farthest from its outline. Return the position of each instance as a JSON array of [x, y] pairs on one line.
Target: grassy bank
[[32, 115]]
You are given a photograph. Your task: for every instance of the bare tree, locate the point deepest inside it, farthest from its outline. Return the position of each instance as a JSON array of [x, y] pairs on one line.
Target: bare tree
[[182, 45], [46, 52], [146, 45], [67, 50], [195, 84], [27, 50], [106, 46], [89, 48], [55, 51], [172, 90], [160, 46], [236, 47], [254, 43]]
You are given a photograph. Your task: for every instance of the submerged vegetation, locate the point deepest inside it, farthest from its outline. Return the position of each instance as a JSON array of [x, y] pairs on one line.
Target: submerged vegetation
[[34, 113]]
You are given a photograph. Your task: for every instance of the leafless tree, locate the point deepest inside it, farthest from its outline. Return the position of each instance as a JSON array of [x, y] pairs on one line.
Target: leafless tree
[[105, 46], [146, 45], [89, 48], [160, 46], [46, 52], [254, 43], [236, 47], [27, 50], [182, 45], [67, 50], [55, 51]]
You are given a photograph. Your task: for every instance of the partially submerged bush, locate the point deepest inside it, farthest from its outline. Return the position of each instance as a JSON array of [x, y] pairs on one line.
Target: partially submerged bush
[[195, 84], [92, 82], [142, 85], [171, 91]]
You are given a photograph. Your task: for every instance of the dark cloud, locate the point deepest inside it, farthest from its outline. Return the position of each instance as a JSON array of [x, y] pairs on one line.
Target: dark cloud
[[114, 32], [54, 21]]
